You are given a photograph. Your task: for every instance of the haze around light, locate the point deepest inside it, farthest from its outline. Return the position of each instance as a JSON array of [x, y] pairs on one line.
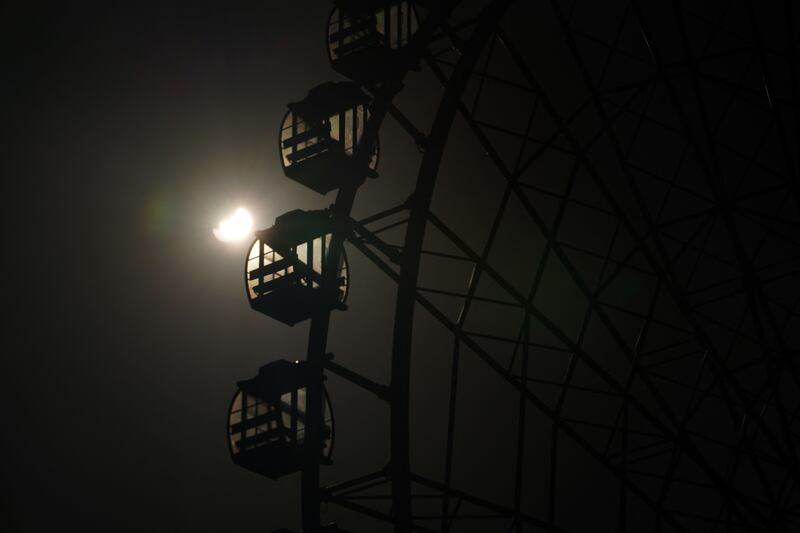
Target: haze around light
[[238, 226]]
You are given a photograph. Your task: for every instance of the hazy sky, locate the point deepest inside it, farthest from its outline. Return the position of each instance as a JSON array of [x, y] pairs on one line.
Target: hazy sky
[[139, 127], [133, 131]]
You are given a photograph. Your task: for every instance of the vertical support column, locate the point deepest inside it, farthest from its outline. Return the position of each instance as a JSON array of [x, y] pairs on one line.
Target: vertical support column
[[310, 479], [451, 423], [409, 272], [522, 413], [315, 357], [320, 322]]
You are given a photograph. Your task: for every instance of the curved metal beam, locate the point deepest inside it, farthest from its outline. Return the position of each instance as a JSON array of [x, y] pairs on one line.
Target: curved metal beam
[[412, 250], [340, 214]]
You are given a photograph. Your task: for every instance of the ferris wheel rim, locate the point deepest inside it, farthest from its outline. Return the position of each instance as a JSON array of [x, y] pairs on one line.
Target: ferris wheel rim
[[344, 202], [403, 428]]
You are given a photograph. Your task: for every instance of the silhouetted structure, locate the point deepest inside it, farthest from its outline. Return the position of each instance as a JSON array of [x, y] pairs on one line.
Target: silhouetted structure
[[320, 136], [366, 38], [266, 424], [287, 264], [628, 276]]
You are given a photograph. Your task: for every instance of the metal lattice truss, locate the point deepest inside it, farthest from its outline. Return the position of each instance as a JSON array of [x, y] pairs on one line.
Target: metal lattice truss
[[632, 281]]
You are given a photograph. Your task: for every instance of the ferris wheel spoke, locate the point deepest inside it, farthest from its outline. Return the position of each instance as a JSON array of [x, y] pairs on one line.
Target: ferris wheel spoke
[[626, 280], [360, 237], [483, 76], [499, 510], [368, 511], [738, 291], [464, 296], [759, 144], [776, 106], [381, 391], [485, 144], [390, 226], [483, 140], [695, 458], [510, 290], [754, 293], [684, 247], [549, 143], [713, 174], [743, 445], [509, 339], [358, 484], [792, 56], [768, 222], [386, 213], [515, 382], [419, 138], [596, 100]]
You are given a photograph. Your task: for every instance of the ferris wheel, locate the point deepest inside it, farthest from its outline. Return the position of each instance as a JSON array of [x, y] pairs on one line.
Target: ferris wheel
[[612, 292]]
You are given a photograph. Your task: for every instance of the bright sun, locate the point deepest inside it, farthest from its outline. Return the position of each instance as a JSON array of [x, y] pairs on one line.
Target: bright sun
[[236, 227]]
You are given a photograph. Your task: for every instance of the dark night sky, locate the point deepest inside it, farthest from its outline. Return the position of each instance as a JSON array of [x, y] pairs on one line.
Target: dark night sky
[[130, 131], [135, 129]]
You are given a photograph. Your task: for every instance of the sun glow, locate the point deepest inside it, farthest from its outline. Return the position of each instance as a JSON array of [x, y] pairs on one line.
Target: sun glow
[[236, 227]]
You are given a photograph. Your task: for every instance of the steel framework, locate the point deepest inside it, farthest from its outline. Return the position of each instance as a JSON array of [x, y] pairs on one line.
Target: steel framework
[[623, 314]]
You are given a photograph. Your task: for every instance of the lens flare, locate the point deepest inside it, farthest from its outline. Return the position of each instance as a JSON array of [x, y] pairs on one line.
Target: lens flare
[[236, 227]]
